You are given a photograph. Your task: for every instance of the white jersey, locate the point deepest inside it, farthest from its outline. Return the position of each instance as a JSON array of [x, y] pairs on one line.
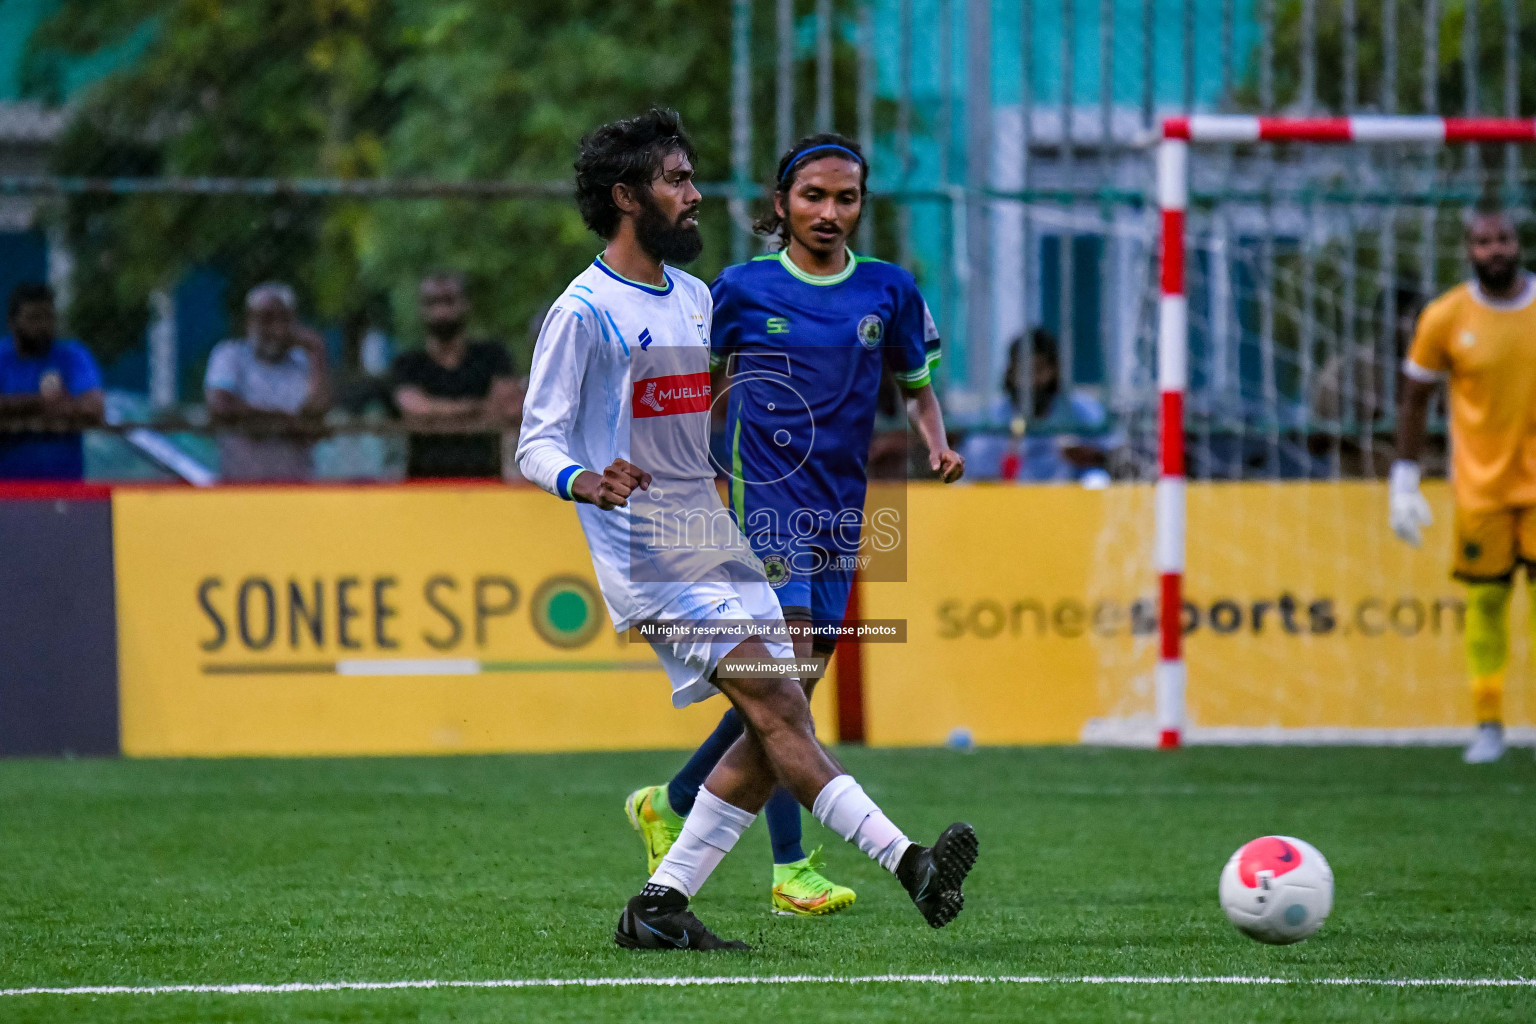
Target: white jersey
[[621, 371]]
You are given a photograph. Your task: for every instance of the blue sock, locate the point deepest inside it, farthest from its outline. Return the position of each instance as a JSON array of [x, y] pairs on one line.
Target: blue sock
[[685, 784], [783, 814]]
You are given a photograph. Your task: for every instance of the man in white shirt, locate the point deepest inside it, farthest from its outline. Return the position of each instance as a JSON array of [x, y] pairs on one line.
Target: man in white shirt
[[268, 390], [617, 420]]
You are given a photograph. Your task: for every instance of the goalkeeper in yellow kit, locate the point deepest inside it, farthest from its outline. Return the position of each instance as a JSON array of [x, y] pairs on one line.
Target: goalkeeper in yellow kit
[[1480, 337]]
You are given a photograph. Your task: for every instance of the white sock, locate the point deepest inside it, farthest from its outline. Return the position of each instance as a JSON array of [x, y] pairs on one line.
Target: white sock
[[844, 807], [709, 832]]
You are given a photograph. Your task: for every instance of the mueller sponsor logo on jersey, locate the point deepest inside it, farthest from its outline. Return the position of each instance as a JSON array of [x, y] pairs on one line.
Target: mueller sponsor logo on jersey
[[671, 396]]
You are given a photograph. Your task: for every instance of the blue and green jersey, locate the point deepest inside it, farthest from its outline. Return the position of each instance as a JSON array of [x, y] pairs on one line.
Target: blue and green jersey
[[806, 356]]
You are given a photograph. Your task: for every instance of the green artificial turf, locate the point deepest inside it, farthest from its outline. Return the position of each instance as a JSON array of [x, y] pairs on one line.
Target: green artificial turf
[[1093, 862]]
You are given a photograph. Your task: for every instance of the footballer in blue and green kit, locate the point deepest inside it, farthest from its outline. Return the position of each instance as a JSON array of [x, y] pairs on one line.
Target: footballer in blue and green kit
[[803, 336]]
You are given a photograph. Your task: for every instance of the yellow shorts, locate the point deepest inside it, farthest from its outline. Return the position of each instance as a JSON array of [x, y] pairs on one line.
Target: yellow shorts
[[1489, 545]]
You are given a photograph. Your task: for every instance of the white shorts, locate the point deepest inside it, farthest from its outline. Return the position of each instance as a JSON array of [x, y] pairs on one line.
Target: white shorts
[[691, 663]]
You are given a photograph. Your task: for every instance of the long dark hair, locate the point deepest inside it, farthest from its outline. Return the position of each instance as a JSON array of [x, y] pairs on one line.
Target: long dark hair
[[807, 150], [627, 152], [1043, 348]]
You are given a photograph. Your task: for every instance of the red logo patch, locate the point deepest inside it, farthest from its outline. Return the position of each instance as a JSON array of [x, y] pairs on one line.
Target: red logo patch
[[671, 396], [1271, 854]]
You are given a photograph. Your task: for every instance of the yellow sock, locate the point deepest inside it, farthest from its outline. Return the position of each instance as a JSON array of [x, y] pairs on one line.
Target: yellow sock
[[1488, 647], [1488, 698]]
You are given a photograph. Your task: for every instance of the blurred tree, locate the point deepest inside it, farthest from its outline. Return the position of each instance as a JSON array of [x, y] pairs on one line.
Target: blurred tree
[[472, 89], [1449, 91], [254, 88], [505, 92]]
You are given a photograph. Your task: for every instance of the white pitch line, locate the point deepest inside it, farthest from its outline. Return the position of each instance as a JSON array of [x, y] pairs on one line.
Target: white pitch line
[[770, 979]]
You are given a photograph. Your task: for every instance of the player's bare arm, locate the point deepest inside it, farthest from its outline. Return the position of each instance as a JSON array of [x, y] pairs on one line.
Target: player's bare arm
[[1412, 413], [924, 412]]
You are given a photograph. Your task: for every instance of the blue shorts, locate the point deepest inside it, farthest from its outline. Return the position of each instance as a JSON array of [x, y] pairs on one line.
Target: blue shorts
[[812, 582]]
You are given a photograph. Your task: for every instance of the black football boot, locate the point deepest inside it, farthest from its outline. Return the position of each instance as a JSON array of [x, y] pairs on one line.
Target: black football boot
[[933, 875], [659, 918]]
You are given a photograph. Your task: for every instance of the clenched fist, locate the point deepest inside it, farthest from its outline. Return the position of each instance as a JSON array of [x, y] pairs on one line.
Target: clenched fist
[[612, 488]]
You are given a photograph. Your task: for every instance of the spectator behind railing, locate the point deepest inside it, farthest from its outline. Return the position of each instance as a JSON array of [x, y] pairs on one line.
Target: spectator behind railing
[[268, 391], [454, 382], [1057, 437], [45, 379]]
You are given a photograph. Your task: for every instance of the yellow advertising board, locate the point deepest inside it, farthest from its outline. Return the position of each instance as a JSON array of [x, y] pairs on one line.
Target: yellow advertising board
[[466, 619], [375, 620], [1032, 618]]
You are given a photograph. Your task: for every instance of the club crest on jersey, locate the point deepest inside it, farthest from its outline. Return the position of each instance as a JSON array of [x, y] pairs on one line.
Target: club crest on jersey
[[870, 330], [776, 570]]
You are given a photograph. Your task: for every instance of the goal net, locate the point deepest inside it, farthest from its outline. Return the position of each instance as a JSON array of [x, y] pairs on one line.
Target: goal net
[[1259, 400]]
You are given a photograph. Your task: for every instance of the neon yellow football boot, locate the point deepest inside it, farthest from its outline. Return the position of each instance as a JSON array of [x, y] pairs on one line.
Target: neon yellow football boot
[[800, 889], [651, 816]]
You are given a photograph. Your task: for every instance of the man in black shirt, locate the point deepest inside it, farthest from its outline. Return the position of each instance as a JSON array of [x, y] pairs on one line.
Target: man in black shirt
[[454, 383]]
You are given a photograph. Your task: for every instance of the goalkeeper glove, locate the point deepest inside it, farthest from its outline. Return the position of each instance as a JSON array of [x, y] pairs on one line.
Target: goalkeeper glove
[[1410, 510]]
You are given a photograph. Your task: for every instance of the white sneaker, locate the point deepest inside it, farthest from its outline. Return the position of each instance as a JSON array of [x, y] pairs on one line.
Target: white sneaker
[[1487, 746]]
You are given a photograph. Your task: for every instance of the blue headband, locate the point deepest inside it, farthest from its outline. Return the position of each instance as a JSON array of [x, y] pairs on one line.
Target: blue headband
[[817, 149]]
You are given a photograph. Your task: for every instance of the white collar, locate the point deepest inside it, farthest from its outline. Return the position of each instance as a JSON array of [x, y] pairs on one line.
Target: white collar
[[1519, 302]]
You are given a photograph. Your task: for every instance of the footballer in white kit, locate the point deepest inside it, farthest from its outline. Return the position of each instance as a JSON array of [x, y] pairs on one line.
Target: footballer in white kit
[[617, 420], [621, 371]]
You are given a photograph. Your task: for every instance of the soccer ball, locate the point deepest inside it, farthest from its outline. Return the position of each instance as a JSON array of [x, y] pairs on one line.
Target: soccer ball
[[1277, 889]]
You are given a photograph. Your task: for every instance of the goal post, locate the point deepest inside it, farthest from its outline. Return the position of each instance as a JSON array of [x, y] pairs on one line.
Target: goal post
[[1179, 134]]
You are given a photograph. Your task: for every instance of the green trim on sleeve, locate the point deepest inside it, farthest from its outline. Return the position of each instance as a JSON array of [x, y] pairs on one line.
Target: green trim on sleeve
[[570, 484], [738, 485]]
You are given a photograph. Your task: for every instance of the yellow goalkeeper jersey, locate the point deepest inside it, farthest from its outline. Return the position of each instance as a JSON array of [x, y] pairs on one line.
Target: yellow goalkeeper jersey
[[1486, 349]]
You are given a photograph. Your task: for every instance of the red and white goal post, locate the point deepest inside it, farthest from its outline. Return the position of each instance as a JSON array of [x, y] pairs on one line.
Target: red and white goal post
[[1178, 135]]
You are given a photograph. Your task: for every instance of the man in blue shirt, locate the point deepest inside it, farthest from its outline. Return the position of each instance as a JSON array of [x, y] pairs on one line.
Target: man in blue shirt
[[803, 336], [48, 381]]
